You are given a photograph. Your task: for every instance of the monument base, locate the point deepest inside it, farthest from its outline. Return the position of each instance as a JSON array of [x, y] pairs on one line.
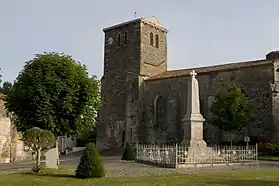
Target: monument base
[[198, 152], [194, 143]]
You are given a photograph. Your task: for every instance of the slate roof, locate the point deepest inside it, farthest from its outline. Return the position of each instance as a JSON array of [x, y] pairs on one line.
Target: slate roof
[[229, 66]]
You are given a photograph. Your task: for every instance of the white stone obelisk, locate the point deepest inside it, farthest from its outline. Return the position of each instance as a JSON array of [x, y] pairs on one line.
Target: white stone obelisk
[[193, 120]]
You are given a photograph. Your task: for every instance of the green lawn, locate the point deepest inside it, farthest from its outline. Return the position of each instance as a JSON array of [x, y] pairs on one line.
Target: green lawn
[[269, 158], [64, 178]]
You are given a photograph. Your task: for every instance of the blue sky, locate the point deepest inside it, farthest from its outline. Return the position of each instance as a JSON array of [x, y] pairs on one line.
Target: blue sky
[[201, 32]]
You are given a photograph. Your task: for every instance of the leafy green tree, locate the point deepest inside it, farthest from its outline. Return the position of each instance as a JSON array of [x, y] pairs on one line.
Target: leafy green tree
[[87, 136], [6, 88], [38, 140], [53, 92], [232, 110], [90, 165], [88, 128]]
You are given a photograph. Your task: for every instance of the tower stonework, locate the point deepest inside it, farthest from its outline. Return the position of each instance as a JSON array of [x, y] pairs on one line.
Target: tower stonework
[[132, 51]]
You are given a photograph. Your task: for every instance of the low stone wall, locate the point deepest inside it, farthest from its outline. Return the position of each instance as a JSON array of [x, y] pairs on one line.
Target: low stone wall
[[5, 139], [11, 147]]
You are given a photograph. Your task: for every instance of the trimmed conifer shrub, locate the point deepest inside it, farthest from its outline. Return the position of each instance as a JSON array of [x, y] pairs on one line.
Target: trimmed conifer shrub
[[90, 165], [129, 153]]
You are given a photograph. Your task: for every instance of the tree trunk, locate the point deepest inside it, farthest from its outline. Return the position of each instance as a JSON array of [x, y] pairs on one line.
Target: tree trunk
[[58, 162], [38, 157]]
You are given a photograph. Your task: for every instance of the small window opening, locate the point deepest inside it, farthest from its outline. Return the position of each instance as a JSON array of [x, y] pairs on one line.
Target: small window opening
[[157, 41], [119, 39], [151, 39], [125, 38]]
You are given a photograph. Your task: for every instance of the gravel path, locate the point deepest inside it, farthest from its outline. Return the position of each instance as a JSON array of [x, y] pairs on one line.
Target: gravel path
[[115, 167], [118, 168]]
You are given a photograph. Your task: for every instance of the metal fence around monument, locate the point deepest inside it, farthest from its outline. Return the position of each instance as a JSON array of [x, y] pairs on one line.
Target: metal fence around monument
[[182, 156]]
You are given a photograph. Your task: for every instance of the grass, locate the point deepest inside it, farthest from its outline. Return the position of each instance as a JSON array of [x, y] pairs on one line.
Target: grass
[[269, 158], [65, 178]]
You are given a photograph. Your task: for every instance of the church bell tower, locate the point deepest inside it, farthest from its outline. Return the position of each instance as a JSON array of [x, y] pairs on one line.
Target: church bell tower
[[133, 50]]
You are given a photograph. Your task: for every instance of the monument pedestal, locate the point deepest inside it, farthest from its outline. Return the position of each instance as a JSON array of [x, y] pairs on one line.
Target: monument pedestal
[[193, 131], [193, 135]]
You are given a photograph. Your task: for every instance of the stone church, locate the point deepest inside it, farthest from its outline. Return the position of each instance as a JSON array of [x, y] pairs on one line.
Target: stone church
[[144, 101]]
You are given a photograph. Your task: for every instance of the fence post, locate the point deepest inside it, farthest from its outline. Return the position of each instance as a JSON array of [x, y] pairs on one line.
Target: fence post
[[257, 153], [176, 151], [137, 150], [211, 156]]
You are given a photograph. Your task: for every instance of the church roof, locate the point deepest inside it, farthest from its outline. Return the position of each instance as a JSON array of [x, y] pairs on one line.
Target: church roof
[[229, 66], [153, 21], [149, 20]]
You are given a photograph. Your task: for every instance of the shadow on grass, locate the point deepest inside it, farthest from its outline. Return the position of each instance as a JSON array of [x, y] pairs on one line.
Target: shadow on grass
[[54, 175], [242, 182], [269, 159]]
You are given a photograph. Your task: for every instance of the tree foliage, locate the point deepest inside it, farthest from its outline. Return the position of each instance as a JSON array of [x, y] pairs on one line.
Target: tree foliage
[[232, 110], [0, 77], [6, 88], [38, 140], [90, 165], [87, 121], [87, 136], [53, 92]]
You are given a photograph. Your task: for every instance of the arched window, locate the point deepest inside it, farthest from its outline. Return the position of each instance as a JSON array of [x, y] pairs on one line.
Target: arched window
[[157, 41], [160, 111], [151, 39]]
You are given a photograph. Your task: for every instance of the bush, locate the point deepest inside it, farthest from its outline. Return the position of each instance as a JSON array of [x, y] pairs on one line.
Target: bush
[[36, 169], [90, 165], [129, 153], [269, 148]]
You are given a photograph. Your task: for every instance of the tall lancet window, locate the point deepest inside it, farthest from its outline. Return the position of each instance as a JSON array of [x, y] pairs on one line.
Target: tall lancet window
[[151, 38], [160, 112], [157, 41]]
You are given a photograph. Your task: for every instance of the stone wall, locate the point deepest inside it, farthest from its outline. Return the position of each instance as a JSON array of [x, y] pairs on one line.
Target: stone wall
[[254, 80], [153, 59], [5, 139], [273, 57], [121, 53], [11, 147]]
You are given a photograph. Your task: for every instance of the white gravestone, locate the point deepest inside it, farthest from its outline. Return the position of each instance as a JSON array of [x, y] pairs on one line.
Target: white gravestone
[[52, 158]]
